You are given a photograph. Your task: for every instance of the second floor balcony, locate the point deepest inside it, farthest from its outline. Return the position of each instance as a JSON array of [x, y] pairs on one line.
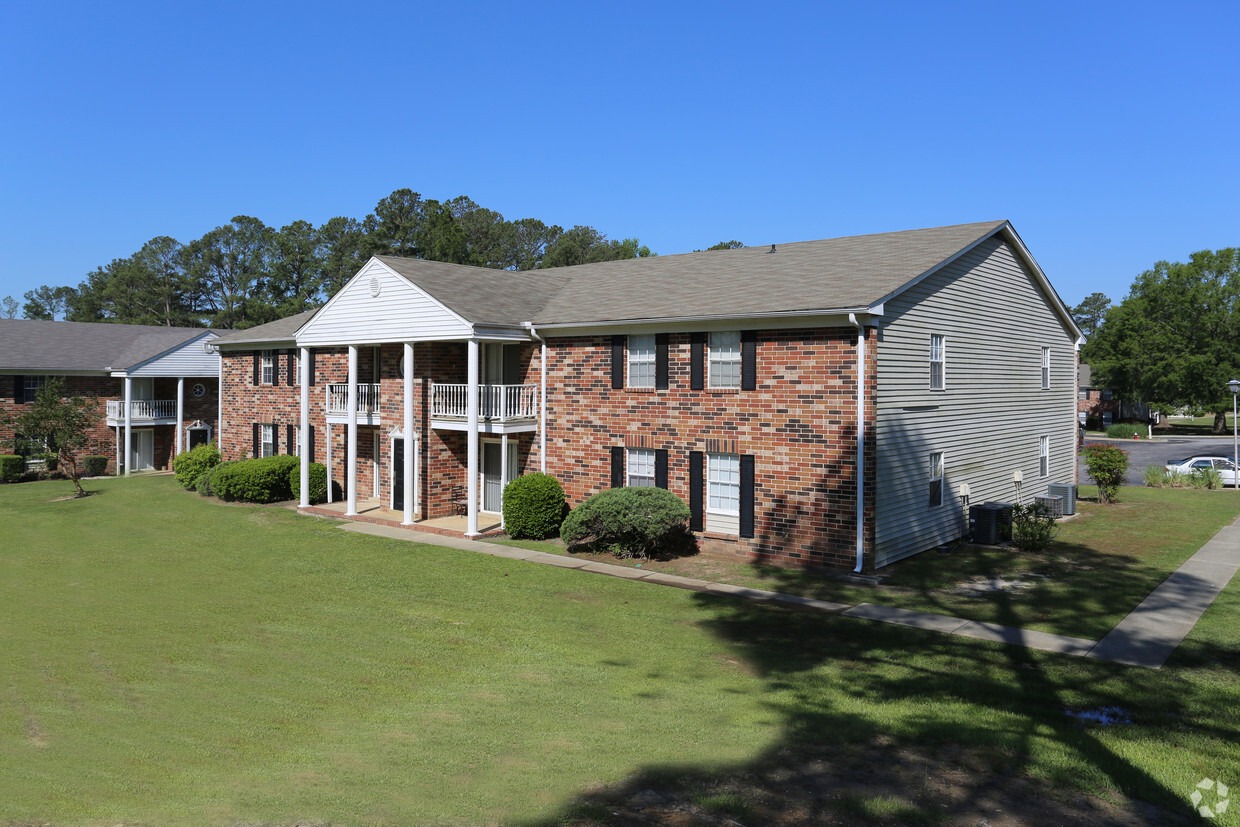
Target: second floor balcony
[[142, 410], [367, 400], [500, 407]]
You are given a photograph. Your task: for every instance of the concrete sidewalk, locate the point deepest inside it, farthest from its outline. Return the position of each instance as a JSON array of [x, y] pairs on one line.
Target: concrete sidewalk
[[1146, 637]]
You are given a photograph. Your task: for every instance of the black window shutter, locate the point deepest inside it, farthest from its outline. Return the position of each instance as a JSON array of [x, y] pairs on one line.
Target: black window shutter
[[617, 362], [697, 489], [310, 443], [617, 468], [258, 366], [747, 465], [257, 437], [292, 370], [19, 390], [310, 367], [290, 436], [749, 361], [660, 361], [660, 468], [275, 439], [697, 361]]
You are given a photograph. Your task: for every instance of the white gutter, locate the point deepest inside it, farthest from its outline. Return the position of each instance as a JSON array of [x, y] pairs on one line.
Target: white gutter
[[542, 402], [852, 319], [719, 317]]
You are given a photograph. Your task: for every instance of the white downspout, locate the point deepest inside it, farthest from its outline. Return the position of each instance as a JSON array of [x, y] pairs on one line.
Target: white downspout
[[852, 318], [180, 415], [128, 423], [350, 509], [542, 399], [303, 450], [408, 470], [471, 449]]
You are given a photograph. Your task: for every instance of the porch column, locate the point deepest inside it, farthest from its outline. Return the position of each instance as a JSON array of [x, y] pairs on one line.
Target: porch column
[[327, 428], [542, 410], [471, 449], [117, 472], [503, 473], [303, 449], [407, 466], [180, 415], [128, 426], [351, 438]]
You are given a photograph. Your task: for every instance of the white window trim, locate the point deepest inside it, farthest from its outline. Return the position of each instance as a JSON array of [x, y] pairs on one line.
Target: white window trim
[[936, 475], [941, 361], [636, 462], [1044, 456], [716, 355], [266, 440], [1046, 368], [267, 368], [712, 465], [642, 355]]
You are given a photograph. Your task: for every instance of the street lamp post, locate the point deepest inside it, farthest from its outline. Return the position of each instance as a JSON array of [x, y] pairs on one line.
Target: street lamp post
[[1234, 387]]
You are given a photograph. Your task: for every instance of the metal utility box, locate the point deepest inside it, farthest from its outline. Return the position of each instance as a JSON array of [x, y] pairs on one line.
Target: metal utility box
[[1053, 504], [984, 523], [1004, 518], [1065, 490]]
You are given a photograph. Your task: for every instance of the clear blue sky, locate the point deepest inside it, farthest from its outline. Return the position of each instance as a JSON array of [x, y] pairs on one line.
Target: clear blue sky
[[1108, 133]]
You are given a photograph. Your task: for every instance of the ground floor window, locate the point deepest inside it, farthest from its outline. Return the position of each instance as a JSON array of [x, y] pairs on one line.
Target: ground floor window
[[640, 468], [1044, 456], [267, 440], [936, 479]]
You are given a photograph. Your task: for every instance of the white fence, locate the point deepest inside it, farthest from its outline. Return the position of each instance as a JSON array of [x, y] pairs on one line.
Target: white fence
[[143, 409], [495, 402], [338, 398]]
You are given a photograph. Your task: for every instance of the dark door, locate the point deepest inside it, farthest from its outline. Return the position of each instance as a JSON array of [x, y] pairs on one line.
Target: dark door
[[398, 474], [197, 436]]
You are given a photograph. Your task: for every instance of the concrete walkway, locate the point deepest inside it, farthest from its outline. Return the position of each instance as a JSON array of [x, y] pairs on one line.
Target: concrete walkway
[[1146, 637]]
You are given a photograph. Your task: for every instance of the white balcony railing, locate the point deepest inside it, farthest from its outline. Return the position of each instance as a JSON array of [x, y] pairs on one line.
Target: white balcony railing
[[338, 398], [495, 402], [143, 409]]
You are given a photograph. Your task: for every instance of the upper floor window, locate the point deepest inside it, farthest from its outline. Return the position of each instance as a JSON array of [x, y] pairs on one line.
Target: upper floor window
[[724, 359], [268, 376], [1046, 368], [641, 361], [936, 478], [938, 361], [640, 468], [1106, 395], [32, 386]]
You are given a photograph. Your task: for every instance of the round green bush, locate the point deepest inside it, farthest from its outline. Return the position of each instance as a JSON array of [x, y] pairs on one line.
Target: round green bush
[[190, 465], [629, 522], [256, 480], [96, 466], [534, 506], [11, 467], [204, 485], [318, 483]]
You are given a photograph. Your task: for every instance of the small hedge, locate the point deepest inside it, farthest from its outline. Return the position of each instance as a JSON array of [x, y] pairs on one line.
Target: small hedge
[[629, 522], [1125, 430], [534, 507], [11, 467], [94, 466], [318, 483], [205, 479], [263, 480], [192, 464]]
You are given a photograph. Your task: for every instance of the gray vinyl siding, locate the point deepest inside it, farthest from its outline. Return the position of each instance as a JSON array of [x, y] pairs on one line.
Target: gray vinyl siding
[[401, 312], [993, 410], [191, 359]]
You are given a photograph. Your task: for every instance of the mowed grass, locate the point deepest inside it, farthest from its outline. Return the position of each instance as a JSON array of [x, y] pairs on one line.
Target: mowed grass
[[169, 660]]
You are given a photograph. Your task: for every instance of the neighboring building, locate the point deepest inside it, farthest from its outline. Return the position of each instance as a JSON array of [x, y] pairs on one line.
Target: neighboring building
[[1102, 408], [167, 375], [818, 403]]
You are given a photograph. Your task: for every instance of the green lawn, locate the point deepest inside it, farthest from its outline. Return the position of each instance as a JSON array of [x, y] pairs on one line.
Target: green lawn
[[170, 660]]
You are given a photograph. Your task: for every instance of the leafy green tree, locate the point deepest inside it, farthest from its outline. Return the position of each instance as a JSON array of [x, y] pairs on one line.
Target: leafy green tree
[[1108, 467], [586, 245], [528, 242], [47, 302], [232, 265], [341, 243], [723, 245], [439, 237], [61, 425], [1090, 313], [1171, 342], [296, 269], [392, 229], [9, 307]]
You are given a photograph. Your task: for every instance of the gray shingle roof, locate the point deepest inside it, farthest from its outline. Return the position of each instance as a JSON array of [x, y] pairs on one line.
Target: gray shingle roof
[[81, 346], [481, 295], [281, 330]]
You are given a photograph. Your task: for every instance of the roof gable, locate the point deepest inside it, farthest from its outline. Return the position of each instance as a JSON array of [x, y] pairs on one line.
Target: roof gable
[[85, 347]]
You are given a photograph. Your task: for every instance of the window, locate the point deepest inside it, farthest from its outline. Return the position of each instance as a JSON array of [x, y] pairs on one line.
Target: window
[[936, 479], [1083, 393], [724, 359], [268, 440], [268, 368], [641, 360], [640, 468], [1046, 368], [938, 362], [723, 483], [1044, 456], [1106, 395]]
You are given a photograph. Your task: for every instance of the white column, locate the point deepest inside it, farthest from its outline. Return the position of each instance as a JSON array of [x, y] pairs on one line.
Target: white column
[[118, 452], [503, 473], [351, 438], [303, 367], [471, 449], [180, 415], [408, 472], [128, 425], [542, 411], [327, 438]]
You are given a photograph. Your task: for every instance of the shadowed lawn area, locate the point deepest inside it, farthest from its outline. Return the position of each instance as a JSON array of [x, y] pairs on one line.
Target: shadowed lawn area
[[170, 660]]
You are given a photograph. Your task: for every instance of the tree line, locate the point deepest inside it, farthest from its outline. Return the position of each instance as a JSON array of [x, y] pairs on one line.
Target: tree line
[[245, 273]]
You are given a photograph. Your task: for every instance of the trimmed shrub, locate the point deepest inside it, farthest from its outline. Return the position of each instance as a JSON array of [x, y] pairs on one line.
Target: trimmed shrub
[[1033, 527], [318, 483], [1125, 430], [534, 507], [11, 467], [192, 464], [204, 486], [1108, 467], [629, 522], [255, 480], [94, 466]]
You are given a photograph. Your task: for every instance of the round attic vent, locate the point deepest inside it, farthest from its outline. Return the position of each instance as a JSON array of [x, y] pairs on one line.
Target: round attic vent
[[375, 286]]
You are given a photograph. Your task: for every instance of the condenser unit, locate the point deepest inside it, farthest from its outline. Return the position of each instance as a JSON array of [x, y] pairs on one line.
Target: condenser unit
[[1053, 504], [1067, 491], [1004, 520], [984, 524]]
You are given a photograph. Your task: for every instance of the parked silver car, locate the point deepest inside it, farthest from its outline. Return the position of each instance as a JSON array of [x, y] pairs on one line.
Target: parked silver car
[[1225, 467]]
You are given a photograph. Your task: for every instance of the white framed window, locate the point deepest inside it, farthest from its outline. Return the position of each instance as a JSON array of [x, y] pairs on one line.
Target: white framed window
[[723, 484], [724, 359], [1106, 395], [267, 440], [641, 360], [1044, 456], [1046, 368], [938, 361], [936, 479], [32, 385], [268, 367], [640, 468], [295, 448]]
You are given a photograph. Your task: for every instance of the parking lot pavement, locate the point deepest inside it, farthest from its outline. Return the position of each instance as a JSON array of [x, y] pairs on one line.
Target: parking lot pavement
[[1144, 452]]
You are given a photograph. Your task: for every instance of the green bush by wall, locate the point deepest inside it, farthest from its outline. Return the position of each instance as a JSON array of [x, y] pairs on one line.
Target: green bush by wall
[[264, 480], [11, 467], [192, 464], [534, 507], [629, 522]]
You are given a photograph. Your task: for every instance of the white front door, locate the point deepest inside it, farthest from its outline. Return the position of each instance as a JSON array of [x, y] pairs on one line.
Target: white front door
[[143, 456], [491, 469]]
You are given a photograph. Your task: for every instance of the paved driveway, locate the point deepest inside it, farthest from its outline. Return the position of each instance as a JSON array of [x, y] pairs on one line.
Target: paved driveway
[[1143, 452]]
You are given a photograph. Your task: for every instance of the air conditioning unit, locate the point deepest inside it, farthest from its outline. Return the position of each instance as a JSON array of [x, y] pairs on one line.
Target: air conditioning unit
[[1065, 490], [1004, 520], [984, 524], [1052, 504]]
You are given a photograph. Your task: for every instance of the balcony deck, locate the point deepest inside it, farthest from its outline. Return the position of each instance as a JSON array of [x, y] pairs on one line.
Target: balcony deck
[[143, 411]]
